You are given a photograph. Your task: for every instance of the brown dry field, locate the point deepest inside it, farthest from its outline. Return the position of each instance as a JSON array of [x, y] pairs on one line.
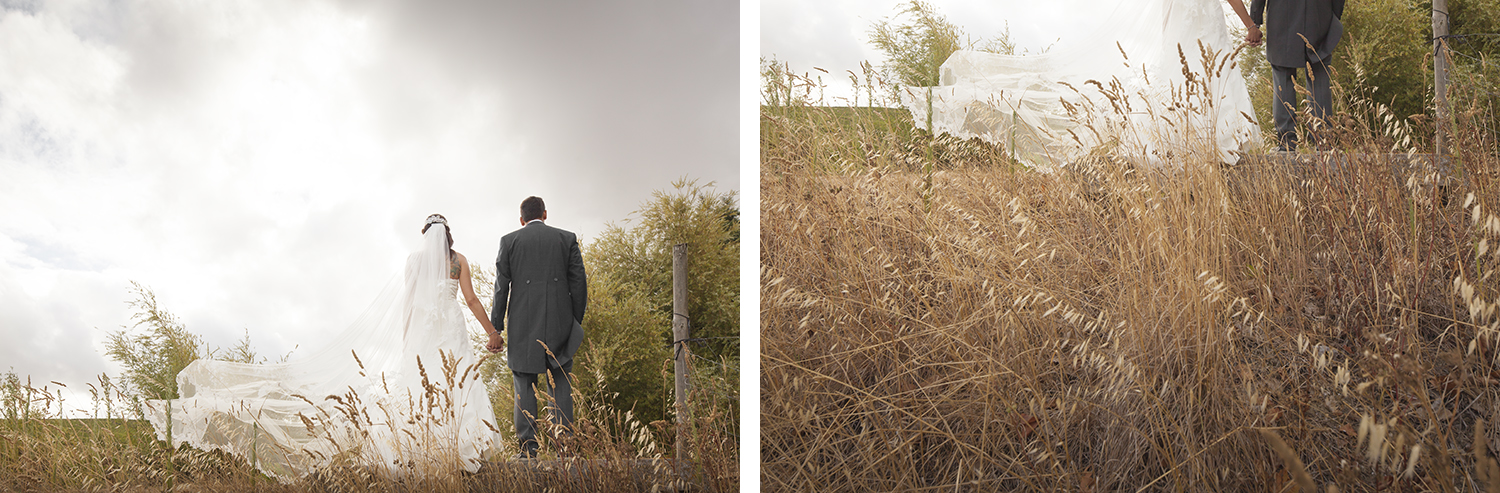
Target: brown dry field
[[936, 317]]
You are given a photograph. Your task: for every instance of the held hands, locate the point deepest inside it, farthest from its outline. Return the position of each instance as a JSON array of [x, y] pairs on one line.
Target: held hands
[[1253, 36], [496, 344]]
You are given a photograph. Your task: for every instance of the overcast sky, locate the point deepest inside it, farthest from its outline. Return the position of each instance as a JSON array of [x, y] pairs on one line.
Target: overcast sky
[[265, 165], [834, 34]]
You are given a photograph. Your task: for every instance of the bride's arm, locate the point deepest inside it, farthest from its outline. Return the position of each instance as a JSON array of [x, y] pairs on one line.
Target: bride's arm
[[467, 286], [1252, 31]]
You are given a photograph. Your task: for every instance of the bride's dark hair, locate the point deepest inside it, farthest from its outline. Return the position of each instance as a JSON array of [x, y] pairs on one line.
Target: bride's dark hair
[[448, 230]]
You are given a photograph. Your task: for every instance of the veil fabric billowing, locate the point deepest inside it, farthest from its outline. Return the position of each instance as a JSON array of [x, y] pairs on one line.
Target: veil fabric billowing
[[379, 394], [1045, 109]]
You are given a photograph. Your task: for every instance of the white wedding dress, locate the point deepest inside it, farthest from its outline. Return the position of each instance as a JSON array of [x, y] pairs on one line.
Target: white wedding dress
[[1084, 94], [363, 400]]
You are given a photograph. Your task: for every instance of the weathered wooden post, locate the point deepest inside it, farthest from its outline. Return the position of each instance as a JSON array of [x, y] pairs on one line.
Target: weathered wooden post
[[680, 334], [1440, 73]]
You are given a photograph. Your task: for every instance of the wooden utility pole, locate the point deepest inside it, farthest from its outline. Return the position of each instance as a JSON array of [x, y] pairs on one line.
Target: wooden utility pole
[[1440, 72], [680, 334]]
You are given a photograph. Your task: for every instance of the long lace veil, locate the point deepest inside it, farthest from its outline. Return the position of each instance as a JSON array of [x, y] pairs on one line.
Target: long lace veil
[[1119, 84], [359, 400]]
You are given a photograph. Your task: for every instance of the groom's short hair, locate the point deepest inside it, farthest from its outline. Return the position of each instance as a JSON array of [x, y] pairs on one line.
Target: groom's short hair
[[532, 208]]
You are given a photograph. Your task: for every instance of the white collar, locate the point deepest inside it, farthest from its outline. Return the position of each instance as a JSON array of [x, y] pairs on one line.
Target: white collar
[[528, 223]]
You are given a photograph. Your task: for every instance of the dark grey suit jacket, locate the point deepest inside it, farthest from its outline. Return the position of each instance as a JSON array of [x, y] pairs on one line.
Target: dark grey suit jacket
[[1317, 20], [540, 279]]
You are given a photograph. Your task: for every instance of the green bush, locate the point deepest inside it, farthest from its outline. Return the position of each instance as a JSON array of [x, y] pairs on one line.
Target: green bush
[[918, 40], [158, 346], [628, 354], [154, 354], [1386, 55]]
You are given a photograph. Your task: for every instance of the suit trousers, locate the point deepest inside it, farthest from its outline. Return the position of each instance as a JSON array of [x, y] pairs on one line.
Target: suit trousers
[[561, 391], [1284, 99]]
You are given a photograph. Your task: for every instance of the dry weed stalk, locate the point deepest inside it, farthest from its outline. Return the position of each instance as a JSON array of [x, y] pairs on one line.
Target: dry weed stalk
[[934, 317], [611, 451]]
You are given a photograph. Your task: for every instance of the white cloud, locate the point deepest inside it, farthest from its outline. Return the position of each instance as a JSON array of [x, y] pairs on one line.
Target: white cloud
[[266, 164]]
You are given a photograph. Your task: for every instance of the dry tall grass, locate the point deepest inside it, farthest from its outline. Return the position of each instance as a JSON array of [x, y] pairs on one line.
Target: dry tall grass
[[609, 451], [935, 316]]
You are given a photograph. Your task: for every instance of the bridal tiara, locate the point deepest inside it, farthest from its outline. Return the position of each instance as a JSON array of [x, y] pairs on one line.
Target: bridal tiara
[[436, 219]]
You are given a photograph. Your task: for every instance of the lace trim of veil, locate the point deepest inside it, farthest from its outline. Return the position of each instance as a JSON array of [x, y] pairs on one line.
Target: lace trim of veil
[[360, 400], [1138, 102]]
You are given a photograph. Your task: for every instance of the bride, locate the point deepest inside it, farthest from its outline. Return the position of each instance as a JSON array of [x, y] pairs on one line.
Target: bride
[[1158, 80], [398, 389]]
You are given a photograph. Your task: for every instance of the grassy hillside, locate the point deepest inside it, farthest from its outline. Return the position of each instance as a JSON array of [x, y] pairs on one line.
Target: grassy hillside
[[935, 316], [41, 454]]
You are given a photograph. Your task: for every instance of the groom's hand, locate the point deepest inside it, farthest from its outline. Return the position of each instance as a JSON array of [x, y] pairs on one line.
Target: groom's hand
[[1253, 37], [496, 343]]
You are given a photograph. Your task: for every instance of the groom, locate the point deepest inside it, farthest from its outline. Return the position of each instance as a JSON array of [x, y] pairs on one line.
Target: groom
[[1300, 34], [539, 277]]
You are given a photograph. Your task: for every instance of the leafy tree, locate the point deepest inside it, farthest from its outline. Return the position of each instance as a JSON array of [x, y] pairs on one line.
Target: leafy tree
[[1383, 55], [1479, 22], [158, 346], [916, 48], [1475, 75], [630, 296], [780, 86], [625, 364], [15, 402], [154, 355], [21, 401]]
